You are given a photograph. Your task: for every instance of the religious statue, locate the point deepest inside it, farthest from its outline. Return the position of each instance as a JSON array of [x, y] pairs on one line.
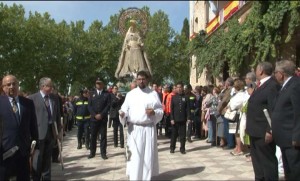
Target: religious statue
[[133, 57]]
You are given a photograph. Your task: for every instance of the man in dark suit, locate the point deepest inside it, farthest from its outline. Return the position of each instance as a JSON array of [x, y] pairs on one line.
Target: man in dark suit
[[116, 102], [180, 116], [47, 111], [19, 128], [286, 118], [99, 104], [262, 146]]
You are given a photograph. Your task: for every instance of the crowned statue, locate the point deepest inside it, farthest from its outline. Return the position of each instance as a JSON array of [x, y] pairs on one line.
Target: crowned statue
[[133, 57]]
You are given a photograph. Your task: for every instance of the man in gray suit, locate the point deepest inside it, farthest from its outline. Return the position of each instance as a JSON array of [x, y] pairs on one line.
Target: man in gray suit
[[47, 112]]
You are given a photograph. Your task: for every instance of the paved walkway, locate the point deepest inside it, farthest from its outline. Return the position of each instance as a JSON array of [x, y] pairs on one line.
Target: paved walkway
[[201, 162]]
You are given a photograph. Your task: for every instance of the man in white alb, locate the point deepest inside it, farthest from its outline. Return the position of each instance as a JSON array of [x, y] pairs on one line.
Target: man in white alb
[[143, 110]]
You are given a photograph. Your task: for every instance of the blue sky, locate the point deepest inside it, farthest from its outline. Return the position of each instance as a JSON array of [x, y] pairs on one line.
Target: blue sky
[[102, 10]]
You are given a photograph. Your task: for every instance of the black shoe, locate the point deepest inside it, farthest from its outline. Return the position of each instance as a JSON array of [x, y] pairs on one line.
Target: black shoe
[[87, 147], [91, 156], [189, 140], [104, 157], [182, 152], [115, 146], [122, 146], [79, 146], [172, 151]]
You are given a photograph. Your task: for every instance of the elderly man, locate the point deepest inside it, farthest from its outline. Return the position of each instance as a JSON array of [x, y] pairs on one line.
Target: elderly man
[[143, 110], [286, 118], [47, 109], [18, 130], [265, 164]]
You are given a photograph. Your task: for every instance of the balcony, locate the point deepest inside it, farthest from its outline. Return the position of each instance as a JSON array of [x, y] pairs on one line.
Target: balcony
[[223, 15]]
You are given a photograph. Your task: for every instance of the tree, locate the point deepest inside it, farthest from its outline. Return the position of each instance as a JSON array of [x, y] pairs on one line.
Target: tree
[[158, 46], [37, 46], [180, 57]]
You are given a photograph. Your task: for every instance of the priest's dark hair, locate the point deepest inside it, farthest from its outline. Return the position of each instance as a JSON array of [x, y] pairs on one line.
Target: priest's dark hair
[[144, 74]]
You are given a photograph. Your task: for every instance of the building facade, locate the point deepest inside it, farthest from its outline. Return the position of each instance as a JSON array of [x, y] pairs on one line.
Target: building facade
[[210, 16]]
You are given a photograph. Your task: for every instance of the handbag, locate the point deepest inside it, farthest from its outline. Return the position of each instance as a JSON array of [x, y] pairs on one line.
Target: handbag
[[246, 139], [230, 115]]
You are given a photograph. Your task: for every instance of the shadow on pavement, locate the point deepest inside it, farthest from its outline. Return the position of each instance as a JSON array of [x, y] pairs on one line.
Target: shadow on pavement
[[199, 148], [117, 154], [176, 174], [69, 159], [163, 149], [82, 173]]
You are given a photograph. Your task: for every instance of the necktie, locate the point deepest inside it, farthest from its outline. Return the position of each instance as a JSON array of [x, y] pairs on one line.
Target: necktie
[[258, 84], [15, 108], [14, 105], [48, 107]]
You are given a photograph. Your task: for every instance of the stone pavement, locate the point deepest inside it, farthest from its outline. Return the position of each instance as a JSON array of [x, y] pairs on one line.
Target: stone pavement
[[201, 162]]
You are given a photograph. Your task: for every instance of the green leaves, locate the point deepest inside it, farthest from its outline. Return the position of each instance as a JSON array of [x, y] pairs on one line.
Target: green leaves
[[244, 45], [74, 55]]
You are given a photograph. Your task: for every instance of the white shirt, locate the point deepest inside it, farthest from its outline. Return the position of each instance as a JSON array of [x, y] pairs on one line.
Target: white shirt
[[99, 92], [262, 81], [286, 81]]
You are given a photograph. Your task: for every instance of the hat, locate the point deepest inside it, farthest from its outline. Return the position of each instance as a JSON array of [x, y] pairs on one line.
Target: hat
[[98, 81]]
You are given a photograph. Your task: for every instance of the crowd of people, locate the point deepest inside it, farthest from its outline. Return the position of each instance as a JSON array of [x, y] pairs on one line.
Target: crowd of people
[[233, 115]]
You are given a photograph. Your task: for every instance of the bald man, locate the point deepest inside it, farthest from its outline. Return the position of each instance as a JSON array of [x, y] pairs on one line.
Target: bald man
[[19, 129]]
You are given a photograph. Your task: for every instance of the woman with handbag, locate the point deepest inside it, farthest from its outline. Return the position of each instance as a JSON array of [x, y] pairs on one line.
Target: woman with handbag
[[236, 103]]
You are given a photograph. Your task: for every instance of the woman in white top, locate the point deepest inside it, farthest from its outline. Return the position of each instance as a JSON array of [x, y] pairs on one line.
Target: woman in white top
[[236, 103]]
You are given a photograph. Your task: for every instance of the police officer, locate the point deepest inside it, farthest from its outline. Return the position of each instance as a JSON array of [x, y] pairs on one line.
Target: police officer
[[180, 116], [116, 103], [99, 104], [82, 116], [192, 101]]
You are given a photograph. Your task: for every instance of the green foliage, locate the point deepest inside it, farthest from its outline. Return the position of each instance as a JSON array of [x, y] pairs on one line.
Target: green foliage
[[257, 39], [74, 56], [157, 45]]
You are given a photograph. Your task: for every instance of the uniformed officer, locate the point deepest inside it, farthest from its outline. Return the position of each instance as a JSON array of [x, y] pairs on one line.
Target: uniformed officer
[[82, 116], [99, 104], [192, 102], [180, 116]]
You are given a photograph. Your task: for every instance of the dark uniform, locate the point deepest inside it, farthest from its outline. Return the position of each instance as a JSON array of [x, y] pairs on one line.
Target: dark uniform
[[197, 116], [82, 116], [99, 104], [180, 113], [116, 103], [192, 103]]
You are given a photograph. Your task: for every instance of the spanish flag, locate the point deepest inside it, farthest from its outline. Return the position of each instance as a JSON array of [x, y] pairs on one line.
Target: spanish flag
[[230, 8], [212, 25]]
